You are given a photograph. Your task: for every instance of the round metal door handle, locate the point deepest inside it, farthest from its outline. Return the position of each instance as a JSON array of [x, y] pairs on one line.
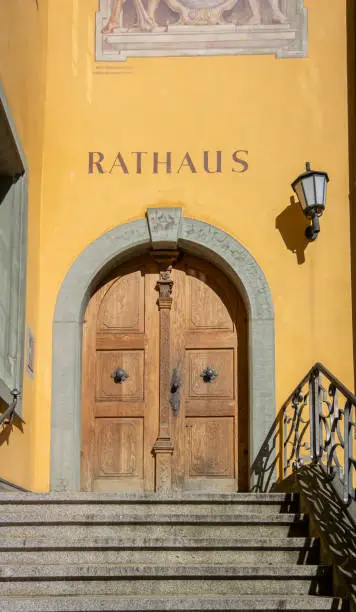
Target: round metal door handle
[[119, 375], [209, 374]]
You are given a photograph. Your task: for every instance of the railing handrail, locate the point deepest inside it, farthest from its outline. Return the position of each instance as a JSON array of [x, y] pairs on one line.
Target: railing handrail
[[338, 384], [323, 422], [318, 366]]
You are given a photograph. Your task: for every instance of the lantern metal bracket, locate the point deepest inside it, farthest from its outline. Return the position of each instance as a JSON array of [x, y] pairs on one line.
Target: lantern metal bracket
[[312, 231]]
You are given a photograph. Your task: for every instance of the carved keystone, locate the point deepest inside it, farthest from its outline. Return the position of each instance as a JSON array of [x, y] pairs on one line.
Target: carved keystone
[[164, 226]]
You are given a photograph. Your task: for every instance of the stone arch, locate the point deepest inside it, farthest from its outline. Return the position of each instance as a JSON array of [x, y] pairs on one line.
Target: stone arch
[[163, 228]]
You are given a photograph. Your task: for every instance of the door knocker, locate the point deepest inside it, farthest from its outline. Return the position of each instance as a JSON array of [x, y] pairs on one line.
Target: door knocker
[[119, 376], [209, 374]]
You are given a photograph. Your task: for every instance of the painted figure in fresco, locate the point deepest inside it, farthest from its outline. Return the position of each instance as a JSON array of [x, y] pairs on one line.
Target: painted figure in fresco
[[191, 12], [277, 14], [145, 19]]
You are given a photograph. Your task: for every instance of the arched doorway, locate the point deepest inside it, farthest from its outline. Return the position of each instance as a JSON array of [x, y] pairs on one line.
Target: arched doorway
[[163, 228], [208, 381]]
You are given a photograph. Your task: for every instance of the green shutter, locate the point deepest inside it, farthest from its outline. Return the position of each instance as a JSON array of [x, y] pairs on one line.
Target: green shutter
[[13, 256]]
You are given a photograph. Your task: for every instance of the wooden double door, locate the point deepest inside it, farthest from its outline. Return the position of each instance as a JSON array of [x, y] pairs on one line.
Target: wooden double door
[[132, 380]]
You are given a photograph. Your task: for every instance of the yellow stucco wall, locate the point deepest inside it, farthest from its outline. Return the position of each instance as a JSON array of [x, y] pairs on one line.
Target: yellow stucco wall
[[283, 112], [23, 45]]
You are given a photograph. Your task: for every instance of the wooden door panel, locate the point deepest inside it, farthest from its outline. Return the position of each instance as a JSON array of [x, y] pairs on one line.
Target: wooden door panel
[[113, 341], [132, 389], [222, 361], [119, 443], [201, 408], [205, 428], [206, 308], [123, 305], [119, 420], [210, 447], [119, 455], [119, 409], [209, 339]]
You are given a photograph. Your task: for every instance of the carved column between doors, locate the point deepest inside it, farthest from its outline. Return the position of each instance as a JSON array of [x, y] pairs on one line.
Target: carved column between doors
[[163, 448]]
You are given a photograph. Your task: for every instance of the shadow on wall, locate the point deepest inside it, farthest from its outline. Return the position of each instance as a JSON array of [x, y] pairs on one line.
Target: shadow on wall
[[269, 458], [6, 429], [291, 224]]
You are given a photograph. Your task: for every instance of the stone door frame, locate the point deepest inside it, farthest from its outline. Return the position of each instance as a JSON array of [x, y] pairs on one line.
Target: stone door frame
[[162, 228]]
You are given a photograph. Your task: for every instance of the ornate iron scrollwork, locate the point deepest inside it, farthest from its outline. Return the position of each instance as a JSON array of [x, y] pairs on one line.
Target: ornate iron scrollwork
[[320, 427], [209, 374], [175, 392], [119, 375]]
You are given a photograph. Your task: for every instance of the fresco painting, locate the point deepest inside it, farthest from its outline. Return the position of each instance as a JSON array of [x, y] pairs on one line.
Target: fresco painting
[[189, 12], [142, 28]]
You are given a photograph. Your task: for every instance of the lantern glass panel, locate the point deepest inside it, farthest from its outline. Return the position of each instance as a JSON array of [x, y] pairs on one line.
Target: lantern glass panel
[[320, 184], [298, 188], [309, 190]]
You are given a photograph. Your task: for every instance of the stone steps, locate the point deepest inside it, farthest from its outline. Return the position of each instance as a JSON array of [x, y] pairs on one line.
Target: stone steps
[[112, 579], [42, 525], [173, 604], [156, 499], [141, 552], [36, 517], [169, 551], [112, 510], [59, 571], [82, 503], [162, 588]]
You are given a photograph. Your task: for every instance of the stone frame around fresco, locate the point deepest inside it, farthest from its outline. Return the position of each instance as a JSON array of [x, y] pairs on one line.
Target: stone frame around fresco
[[282, 40], [198, 238]]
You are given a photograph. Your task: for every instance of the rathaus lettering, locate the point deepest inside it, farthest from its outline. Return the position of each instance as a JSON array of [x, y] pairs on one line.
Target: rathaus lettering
[[139, 162]]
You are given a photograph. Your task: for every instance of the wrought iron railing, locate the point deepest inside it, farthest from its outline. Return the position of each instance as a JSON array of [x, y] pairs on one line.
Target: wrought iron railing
[[319, 421]]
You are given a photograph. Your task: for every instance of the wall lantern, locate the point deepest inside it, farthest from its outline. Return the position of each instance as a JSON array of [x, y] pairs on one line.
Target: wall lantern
[[310, 188]]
